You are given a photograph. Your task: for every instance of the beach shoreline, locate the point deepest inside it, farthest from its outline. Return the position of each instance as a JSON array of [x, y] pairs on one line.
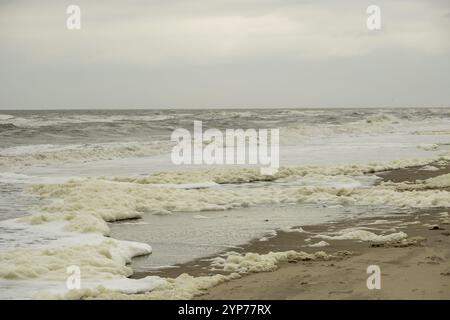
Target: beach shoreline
[[417, 268], [197, 232]]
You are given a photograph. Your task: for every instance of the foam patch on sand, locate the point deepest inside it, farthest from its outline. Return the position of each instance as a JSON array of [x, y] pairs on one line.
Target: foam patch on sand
[[293, 229], [106, 259], [363, 235], [184, 287], [401, 243], [269, 235], [429, 168], [442, 181], [318, 244], [438, 182], [380, 196], [254, 262]]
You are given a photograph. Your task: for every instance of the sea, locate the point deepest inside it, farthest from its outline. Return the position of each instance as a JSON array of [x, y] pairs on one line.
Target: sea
[[75, 184]]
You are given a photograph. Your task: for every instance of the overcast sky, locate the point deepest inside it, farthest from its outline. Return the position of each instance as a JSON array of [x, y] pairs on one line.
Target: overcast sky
[[224, 53]]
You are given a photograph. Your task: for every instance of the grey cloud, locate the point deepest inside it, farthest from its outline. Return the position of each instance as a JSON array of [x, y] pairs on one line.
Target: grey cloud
[[223, 53]]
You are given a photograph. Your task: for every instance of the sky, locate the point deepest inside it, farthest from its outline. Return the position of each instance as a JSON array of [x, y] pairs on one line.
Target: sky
[[224, 54]]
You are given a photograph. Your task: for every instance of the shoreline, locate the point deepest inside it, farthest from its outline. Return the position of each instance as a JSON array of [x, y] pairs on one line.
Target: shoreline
[[416, 269]]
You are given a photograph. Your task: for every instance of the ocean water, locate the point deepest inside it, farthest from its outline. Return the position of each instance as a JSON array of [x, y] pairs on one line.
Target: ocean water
[[64, 173]]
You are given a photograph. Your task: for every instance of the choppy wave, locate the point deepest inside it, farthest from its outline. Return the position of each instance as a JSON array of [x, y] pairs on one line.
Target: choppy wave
[[60, 119], [47, 154], [4, 127], [63, 120], [4, 117], [28, 138], [368, 125]]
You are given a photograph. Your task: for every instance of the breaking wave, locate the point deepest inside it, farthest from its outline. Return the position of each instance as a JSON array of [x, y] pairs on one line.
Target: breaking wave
[[47, 154]]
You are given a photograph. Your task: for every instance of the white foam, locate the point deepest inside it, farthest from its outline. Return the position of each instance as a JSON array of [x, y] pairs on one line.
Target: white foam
[[363, 235], [429, 168], [199, 216], [5, 117], [183, 287], [442, 181], [50, 289], [124, 200], [268, 235], [318, 244], [36, 254], [254, 262], [293, 229], [99, 260]]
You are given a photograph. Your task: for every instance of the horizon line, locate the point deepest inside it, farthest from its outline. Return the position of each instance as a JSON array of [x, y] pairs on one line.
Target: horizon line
[[217, 108]]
